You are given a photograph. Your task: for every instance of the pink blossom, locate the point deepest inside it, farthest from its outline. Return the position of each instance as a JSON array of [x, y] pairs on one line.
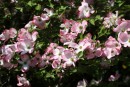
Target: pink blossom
[[37, 61], [40, 21], [124, 38], [82, 46], [114, 77], [112, 43], [46, 59], [66, 34], [33, 62], [98, 52], [56, 64], [71, 44], [85, 10], [25, 46], [42, 64], [34, 36], [112, 47], [6, 56], [94, 50], [24, 62], [13, 32], [5, 35], [14, 47], [67, 24], [79, 27], [22, 81], [69, 58], [4, 62], [68, 37], [8, 52], [123, 26], [109, 52], [111, 20], [26, 41], [50, 48], [49, 12], [24, 35], [57, 53], [30, 26]]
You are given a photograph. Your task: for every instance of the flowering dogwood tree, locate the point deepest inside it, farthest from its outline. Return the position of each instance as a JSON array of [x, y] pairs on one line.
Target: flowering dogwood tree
[[68, 43]]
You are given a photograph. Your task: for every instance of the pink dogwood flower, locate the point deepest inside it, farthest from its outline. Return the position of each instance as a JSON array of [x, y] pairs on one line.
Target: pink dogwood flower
[[56, 64], [81, 46], [123, 26], [112, 47], [84, 11], [69, 58], [25, 46], [24, 61], [68, 37], [111, 20], [26, 41], [93, 52], [30, 25], [66, 34], [57, 53], [22, 81], [67, 24], [5, 63], [49, 12], [13, 32], [37, 61], [50, 48], [114, 77], [8, 52], [40, 21], [79, 27], [24, 35], [5, 35], [124, 38]]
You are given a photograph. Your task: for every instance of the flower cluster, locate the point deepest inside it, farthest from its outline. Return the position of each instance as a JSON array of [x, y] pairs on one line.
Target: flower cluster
[[111, 20]]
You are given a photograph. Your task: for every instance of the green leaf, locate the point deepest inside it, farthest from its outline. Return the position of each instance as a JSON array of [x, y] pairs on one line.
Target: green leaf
[[92, 21], [80, 54], [20, 9], [50, 75], [38, 7], [98, 17], [39, 45], [30, 3]]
